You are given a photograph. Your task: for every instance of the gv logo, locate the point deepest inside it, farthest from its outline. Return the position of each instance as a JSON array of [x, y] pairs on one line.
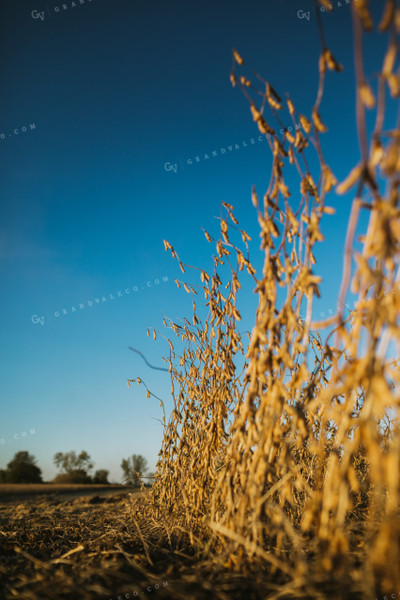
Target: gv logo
[[35, 14], [36, 320], [169, 167], [303, 15]]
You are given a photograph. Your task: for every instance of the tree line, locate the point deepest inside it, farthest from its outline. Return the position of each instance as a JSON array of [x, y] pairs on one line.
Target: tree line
[[74, 468]]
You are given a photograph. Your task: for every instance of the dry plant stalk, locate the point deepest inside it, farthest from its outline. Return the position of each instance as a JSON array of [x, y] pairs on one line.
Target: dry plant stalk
[[195, 438], [307, 479]]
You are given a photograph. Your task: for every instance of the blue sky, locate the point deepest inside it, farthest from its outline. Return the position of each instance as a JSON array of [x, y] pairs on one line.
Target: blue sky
[[105, 106]]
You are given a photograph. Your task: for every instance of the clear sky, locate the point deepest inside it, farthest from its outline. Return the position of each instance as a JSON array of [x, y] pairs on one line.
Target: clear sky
[[105, 105]]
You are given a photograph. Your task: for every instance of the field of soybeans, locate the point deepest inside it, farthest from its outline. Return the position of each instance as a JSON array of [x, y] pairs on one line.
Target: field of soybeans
[[279, 471]]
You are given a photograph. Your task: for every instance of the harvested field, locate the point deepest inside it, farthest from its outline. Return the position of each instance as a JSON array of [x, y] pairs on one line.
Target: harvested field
[[14, 492], [110, 546], [104, 547]]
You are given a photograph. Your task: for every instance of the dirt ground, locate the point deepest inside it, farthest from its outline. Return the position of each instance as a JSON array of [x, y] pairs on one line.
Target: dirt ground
[[14, 492], [63, 545], [67, 545]]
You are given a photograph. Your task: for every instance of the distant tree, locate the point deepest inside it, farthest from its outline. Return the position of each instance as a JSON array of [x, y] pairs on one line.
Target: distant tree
[[70, 462], [101, 476], [74, 467], [2, 476], [22, 469], [132, 466]]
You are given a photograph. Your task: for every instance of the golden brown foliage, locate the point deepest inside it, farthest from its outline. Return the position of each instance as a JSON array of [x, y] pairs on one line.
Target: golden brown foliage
[[306, 481]]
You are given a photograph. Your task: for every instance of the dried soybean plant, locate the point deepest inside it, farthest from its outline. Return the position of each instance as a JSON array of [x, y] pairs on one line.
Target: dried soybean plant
[[365, 432], [306, 481], [270, 469], [209, 388], [306, 446]]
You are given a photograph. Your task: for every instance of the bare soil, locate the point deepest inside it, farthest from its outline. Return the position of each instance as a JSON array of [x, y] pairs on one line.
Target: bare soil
[[75, 543], [14, 492], [67, 545]]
